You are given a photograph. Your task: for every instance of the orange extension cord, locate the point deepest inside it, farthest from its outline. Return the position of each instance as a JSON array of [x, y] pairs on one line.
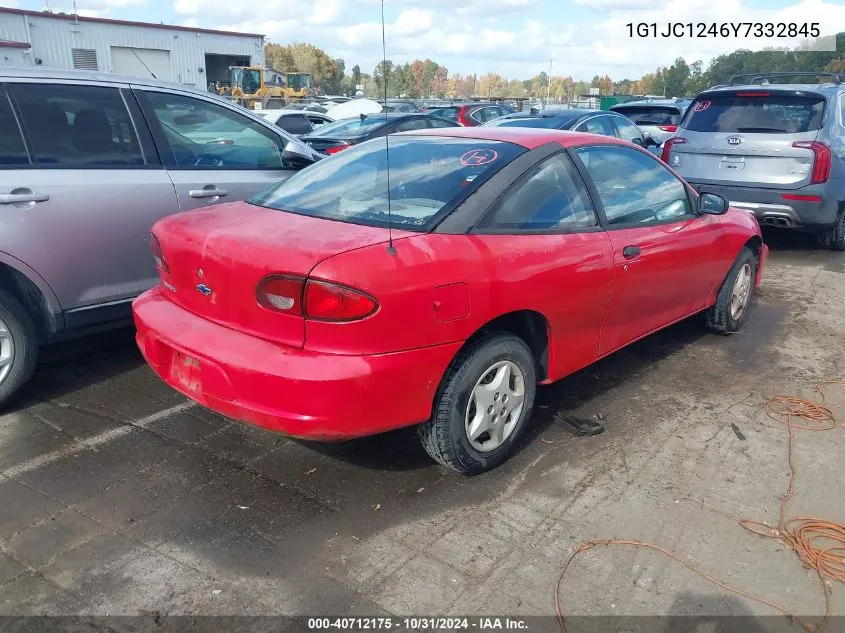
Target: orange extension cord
[[819, 543]]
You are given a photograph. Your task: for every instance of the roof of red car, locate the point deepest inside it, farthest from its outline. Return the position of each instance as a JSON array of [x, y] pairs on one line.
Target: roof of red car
[[526, 136]]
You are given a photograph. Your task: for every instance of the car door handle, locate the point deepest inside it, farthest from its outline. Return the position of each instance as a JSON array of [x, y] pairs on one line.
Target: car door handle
[[15, 198], [211, 192], [630, 252]]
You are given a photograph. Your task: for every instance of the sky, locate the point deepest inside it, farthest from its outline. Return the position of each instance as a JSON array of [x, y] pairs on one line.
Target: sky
[[515, 38]]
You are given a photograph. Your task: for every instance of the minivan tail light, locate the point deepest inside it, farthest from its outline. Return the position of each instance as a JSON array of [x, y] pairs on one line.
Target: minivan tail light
[[281, 293], [668, 128], [463, 118], [158, 255], [821, 160], [325, 301], [667, 147], [335, 150]]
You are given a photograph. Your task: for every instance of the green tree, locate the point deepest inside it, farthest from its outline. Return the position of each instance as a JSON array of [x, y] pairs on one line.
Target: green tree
[[356, 74], [676, 77]]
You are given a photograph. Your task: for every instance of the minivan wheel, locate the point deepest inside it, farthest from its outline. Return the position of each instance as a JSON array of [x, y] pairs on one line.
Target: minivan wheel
[[834, 237], [728, 313], [18, 346], [482, 405]]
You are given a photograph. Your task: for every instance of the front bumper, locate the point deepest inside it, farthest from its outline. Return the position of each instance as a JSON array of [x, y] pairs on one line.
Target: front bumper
[[293, 391], [772, 209]]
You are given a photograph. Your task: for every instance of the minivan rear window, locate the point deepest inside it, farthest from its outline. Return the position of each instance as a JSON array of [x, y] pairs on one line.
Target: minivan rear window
[[765, 114], [651, 115]]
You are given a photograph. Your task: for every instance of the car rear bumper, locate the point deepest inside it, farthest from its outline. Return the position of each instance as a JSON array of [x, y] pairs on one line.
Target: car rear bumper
[[771, 208], [293, 391]]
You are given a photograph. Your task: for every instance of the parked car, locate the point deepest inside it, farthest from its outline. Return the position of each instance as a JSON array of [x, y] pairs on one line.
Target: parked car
[[88, 163], [471, 114], [295, 122], [399, 105], [657, 117], [310, 107], [340, 135], [592, 121], [774, 150], [328, 308]]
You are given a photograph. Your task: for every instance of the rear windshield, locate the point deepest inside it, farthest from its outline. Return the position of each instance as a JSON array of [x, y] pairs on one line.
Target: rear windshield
[[427, 175], [651, 115], [771, 114], [446, 113], [348, 128], [528, 121]]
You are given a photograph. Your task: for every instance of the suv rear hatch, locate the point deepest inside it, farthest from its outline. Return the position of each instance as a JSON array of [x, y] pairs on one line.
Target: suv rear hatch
[[761, 137]]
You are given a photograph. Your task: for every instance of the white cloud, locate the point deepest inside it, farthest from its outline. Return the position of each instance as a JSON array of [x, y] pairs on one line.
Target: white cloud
[[93, 8], [413, 21]]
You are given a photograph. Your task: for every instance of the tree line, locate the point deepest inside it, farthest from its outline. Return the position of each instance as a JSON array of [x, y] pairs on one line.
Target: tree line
[[427, 78]]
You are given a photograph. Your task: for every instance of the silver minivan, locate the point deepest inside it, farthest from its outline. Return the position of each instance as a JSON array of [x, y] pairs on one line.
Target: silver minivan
[[774, 149], [88, 163]]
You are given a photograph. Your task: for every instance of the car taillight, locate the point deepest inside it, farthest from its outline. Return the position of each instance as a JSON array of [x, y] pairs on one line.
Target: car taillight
[[797, 197], [282, 293], [668, 128], [463, 118], [326, 301], [821, 160], [335, 150], [667, 147], [315, 300], [158, 256]]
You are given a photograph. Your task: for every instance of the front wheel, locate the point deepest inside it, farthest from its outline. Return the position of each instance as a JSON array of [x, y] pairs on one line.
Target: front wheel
[[482, 405], [727, 315]]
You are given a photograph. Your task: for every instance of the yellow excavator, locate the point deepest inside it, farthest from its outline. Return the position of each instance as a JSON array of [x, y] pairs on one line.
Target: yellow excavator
[[259, 88]]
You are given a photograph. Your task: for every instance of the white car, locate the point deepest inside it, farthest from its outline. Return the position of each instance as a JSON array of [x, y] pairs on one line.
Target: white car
[[296, 122]]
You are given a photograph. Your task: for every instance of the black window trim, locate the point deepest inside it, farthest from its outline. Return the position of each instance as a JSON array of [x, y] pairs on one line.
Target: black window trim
[[596, 198], [516, 182], [151, 157], [166, 152], [5, 95]]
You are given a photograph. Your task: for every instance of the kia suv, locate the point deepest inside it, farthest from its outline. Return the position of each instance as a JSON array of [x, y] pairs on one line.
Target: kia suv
[[773, 149]]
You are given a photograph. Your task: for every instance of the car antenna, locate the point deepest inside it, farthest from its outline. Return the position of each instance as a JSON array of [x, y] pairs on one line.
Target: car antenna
[[390, 248]]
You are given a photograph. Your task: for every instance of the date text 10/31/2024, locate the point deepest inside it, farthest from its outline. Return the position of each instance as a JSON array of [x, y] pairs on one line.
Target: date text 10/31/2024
[[724, 30], [418, 623]]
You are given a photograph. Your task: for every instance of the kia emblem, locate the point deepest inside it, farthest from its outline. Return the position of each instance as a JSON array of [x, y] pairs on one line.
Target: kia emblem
[[734, 140]]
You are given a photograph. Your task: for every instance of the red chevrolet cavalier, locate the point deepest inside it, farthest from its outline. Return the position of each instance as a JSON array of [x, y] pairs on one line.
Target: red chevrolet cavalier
[[327, 309]]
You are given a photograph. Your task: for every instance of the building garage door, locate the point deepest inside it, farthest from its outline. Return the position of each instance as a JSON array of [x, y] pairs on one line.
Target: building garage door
[[141, 62]]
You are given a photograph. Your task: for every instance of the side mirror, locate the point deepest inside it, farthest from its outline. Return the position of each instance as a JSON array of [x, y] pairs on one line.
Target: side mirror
[[299, 154], [712, 204]]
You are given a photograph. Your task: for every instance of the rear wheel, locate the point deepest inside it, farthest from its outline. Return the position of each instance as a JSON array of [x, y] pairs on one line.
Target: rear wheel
[[727, 315], [834, 237], [482, 405], [18, 346]]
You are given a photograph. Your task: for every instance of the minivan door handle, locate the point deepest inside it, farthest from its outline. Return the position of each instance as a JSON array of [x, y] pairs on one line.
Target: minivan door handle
[[629, 252], [209, 191], [19, 196]]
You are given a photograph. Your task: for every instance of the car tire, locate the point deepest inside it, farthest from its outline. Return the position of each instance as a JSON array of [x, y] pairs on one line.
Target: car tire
[[726, 316], [446, 436], [834, 237], [18, 346]]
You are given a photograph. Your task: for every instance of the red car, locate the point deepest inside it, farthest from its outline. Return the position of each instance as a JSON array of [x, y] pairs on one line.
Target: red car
[[503, 258]]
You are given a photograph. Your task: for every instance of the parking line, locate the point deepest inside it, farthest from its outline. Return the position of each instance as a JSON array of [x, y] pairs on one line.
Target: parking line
[[93, 441]]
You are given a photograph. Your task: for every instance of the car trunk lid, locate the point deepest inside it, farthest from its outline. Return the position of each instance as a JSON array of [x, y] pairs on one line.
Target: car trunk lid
[[217, 257], [753, 137]]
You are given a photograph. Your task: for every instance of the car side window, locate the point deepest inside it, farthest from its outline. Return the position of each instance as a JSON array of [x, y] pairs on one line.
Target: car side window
[[294, 124], [316, 121], [204, 135], [75, 126], [411, 124], [627, 131], [634, 187], [437, 123], [550, 196], [596, 125], [12, 147]]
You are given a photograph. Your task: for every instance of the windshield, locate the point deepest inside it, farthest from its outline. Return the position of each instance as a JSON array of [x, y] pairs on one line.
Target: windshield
[[427, 175], [528, 121], [298, 81], [348, 128], [248, 80], [767, 113], [651, 115]]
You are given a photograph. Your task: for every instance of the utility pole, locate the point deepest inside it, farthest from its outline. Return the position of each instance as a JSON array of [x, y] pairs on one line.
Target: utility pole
[[549, 87]]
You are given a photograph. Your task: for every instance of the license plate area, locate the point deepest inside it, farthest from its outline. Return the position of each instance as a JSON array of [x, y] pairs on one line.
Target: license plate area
[[186, 372]]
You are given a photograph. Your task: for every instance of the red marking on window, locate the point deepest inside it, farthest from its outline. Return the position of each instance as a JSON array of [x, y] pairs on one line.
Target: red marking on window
[[478, 157], [701, 106]]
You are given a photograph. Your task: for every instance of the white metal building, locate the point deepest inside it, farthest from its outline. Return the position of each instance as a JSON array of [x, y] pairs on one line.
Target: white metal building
[[196, 57]]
